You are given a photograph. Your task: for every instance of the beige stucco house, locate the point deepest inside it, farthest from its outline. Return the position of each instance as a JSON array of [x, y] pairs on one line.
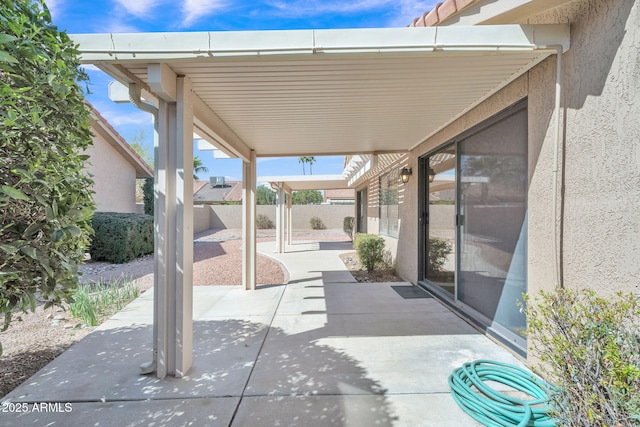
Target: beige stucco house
[[537, 185], [513, 123], [114, 167]]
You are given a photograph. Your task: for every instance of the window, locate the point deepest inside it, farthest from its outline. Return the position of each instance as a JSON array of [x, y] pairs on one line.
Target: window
[[389, 203]]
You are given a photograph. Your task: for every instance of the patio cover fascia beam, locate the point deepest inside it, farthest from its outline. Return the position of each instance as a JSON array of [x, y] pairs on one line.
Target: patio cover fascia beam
[[203, 46], [162, 82]]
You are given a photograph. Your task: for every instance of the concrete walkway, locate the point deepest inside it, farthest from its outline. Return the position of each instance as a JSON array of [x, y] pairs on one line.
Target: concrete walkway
[[320, 351]]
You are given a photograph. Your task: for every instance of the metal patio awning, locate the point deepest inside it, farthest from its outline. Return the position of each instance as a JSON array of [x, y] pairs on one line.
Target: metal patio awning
[[326, 92], [292, 93]]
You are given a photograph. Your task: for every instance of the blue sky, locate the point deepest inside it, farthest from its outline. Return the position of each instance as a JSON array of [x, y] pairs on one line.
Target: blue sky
[[104, 16]]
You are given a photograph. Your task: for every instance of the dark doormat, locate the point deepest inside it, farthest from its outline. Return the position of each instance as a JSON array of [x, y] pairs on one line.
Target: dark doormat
[[411, 292]]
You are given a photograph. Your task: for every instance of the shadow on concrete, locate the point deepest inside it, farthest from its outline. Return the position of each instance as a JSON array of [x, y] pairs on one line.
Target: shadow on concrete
[[99, 379]]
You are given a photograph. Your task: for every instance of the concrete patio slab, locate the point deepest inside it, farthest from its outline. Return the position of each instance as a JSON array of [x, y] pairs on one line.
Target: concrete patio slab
[[181, 412], [416, 410], [313, 352]]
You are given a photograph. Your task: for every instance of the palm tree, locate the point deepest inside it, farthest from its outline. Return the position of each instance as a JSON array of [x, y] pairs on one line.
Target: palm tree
[[198, 167], [307, 159], [311, 160]]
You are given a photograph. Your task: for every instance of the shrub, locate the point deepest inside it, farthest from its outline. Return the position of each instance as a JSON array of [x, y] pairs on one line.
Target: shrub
[[147, 190], [316, 223], [589, 347], [370, 249], [263, 222], [121, 237], [94, 302], [439, 250], [45, 194], [348, 224]]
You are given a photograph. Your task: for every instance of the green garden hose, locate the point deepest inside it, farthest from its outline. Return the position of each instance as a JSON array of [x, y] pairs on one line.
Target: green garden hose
[[493, 408]]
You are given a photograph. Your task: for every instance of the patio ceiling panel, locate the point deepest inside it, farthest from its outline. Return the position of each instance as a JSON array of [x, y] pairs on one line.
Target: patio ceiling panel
[[329, 92]]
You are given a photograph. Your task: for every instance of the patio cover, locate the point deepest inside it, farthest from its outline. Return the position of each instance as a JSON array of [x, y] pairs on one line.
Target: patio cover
[[287, 185], [294, 93]]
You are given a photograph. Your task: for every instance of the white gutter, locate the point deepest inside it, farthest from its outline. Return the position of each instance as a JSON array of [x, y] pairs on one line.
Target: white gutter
[[146, 47], [135, 97], [557, 142]]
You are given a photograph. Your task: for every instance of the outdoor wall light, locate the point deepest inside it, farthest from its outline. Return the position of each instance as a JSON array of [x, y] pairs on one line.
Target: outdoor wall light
[[405, 174], [431, 174]]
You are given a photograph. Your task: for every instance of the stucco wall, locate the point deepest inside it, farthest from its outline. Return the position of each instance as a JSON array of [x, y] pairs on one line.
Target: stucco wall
[[114, 178], [230, 216], [601, 105]]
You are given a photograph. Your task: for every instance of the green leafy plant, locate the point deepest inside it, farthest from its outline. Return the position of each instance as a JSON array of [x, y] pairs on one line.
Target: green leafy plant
[[370, 249], [439, 250], [147, 190], [306, 197], [316, 223], [121, 237], [263, 222], [589, 347], [92, 303], [45, 196], [265, 196], [348, 224]]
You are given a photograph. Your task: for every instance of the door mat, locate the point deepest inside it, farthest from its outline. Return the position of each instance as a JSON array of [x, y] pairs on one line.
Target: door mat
[[411, 292]]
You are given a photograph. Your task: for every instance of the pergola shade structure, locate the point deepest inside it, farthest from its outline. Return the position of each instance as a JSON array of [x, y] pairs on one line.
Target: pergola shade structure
[[295, 93]]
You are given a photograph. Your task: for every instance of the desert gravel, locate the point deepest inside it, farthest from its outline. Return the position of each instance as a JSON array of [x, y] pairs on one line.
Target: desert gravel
[[39, 337]]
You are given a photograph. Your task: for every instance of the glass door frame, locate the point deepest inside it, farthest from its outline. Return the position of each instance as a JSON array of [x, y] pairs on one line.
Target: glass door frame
[[516, 343]]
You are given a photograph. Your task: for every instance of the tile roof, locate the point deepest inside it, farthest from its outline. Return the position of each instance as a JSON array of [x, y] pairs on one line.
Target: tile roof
[[230, 192], [197, 185], [442, 11], [143, 169]]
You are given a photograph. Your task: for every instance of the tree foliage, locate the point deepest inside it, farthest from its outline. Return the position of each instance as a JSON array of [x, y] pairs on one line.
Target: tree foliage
[[304, 160], [198, 167], [307, 197], [45, 197], [265, 196]]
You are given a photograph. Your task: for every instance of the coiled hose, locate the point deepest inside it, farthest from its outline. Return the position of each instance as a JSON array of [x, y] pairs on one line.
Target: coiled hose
[[493, 408]]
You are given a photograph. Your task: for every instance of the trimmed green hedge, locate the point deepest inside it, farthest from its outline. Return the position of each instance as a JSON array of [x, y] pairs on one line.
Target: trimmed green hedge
[[121, 237]]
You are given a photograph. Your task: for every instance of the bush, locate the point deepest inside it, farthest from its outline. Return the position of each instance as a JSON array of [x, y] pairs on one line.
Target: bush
[[45, 195], [147, 190], [370, 249], [439, 250], [589, 347], [263, 222], [348, 224], [121, 237], [317, 224]]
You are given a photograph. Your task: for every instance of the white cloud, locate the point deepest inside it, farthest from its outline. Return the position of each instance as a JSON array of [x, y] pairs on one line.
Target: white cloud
[[304, 7], [138, 7], [409, 10], [122, 115], [55, 7], [400, 12], [194, 10]]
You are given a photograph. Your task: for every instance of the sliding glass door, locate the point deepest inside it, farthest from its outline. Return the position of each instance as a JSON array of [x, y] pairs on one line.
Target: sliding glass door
[[492, 270], [475, 223], [441, 214]]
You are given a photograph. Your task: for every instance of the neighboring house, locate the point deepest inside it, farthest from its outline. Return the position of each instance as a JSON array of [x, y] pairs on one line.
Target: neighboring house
[[114, 167], [217, 192], [523, 206], [340, 197]]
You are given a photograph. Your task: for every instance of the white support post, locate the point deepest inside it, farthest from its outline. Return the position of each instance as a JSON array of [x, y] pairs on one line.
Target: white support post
[[249, 222], [161, 260], [289, 218], [173, 263], [184, 229], [280, 224]]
